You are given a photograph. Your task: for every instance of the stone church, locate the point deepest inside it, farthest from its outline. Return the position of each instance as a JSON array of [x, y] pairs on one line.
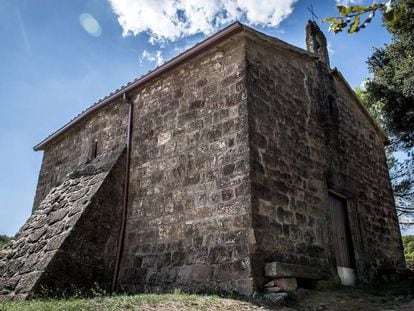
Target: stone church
[[241, 160]]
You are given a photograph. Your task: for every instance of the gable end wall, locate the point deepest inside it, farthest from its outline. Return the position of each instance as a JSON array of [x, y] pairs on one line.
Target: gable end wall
[[189, 214], [308, 137]]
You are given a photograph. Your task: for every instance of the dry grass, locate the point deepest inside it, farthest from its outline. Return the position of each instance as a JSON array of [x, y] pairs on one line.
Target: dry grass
[[174, 301], [326, 297]]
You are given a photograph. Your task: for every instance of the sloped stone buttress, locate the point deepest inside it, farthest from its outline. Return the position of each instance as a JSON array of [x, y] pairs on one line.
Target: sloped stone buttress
[[69, 242]]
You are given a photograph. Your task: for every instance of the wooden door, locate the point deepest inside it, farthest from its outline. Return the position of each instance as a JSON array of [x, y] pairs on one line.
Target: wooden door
[[341, 234]]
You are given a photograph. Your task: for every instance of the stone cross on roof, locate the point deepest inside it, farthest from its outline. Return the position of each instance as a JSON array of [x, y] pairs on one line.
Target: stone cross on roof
[[310, 9]]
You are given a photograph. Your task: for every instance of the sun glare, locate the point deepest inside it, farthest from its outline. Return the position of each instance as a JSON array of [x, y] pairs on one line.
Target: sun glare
[[90, 24]]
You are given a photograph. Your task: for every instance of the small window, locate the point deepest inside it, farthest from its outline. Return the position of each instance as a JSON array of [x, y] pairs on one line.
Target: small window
[[94, 150]]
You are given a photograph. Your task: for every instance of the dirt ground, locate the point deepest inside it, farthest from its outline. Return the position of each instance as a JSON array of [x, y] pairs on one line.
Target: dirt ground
[[350, 299], [385, 296], [312, 300], [342, 299]]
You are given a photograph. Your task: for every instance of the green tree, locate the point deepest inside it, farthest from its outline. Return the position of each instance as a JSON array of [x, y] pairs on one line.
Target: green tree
[[357, 17], [4, 239], [393, 83], [408, 242]]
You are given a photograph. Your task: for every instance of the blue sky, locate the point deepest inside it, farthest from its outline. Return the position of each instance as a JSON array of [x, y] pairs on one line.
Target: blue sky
[[59, 57]]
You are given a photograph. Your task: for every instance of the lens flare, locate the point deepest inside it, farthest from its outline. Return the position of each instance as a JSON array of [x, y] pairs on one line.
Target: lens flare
[[90, 24]]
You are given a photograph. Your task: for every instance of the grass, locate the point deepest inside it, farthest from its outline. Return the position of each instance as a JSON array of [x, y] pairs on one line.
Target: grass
[[329, 295], [115, 302]]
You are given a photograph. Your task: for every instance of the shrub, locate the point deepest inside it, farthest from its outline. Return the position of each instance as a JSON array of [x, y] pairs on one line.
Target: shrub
[[4, 239], [408, 242]]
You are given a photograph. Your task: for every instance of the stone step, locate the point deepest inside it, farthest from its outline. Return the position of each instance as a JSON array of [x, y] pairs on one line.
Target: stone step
[[286, 270], [287, 284], [273, 289]]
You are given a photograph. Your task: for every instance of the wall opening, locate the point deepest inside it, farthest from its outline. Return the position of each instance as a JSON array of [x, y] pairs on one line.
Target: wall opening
[[342, 240], [93, 150]]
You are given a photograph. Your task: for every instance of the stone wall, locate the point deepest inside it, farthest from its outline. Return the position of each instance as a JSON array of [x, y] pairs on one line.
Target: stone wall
[[189, 213], [107, 127], [69, 242], [308, 136]]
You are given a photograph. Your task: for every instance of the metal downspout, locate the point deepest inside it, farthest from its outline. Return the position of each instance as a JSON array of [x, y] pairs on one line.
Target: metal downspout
[[121, 238]]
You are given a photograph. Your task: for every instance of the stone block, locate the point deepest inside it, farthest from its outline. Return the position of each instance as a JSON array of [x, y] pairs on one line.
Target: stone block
[[27, 282], [183, 275], [287, 270], [201, 273], [37, 234], [287, 284], [273, 289]]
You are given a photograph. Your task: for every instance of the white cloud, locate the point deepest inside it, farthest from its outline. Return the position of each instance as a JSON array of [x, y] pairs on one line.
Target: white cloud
[[156, 57], [171, 20], [348, 2], [406, 229], [363, 84]]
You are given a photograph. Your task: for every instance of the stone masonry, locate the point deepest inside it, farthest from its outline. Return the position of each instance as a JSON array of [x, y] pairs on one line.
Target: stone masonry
[[189, 220], [69, 242], [311, 138], [234, 150]]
